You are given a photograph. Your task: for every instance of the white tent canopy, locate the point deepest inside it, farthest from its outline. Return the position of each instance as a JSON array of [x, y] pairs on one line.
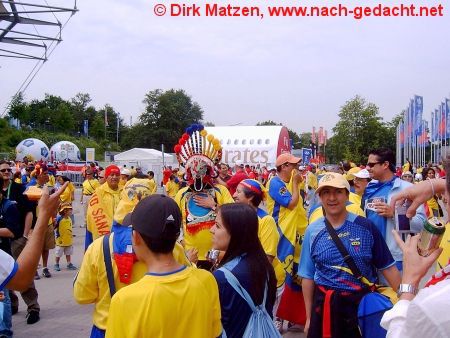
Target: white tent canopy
[[147, 159]]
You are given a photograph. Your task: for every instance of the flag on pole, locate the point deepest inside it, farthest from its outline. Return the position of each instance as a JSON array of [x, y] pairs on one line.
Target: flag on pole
[[401, 134], [418, 110], [313, 135], [436, 124], [447, 114], [86, 127], [106, 117], [325, 137], [320, 136], [442, 129]]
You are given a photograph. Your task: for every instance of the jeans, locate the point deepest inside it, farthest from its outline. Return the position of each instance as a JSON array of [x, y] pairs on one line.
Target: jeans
[[6, 316]]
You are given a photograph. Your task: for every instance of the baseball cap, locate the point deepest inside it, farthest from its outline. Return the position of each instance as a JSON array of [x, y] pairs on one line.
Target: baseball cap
[[351, 173], [406, 173], [112, 169], [157, 216], [286, 158], [125, 171], [334, 180], [364, 173], [65, 206]]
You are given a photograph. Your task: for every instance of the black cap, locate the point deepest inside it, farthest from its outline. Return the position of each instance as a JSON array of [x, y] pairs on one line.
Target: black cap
[[157, 216]]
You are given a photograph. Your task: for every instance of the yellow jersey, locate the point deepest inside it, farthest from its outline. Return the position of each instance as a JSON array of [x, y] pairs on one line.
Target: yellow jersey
[[184, 303], [91, 284], [172, 188], [153, 186], [269, 237], [66, 196], [51, 181], [89, 186], [63, 232]]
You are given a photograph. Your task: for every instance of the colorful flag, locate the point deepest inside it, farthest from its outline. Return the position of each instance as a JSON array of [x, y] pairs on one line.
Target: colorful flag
[[401, 135], [320, 136], [436, 124], [447, 114], [442, 129], [418, 110]]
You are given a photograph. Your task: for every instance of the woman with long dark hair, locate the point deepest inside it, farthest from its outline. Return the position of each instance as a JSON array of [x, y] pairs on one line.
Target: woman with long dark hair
[[236, 232], [252, 193]]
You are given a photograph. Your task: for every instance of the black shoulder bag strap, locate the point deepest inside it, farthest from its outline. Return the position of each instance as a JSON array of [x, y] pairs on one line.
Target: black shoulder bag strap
[[108, 265], [347, 258]]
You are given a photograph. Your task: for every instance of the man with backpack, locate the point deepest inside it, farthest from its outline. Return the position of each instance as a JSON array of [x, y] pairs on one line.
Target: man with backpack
[[169, 290]]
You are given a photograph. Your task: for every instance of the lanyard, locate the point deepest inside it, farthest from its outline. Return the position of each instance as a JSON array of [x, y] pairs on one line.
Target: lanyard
[[9, 190]]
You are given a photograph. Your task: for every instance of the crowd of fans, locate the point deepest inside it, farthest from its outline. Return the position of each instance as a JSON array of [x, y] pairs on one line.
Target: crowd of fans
[[302, 244]]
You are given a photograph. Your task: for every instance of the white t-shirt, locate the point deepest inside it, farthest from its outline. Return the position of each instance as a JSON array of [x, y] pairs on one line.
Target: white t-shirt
[[8, 268]]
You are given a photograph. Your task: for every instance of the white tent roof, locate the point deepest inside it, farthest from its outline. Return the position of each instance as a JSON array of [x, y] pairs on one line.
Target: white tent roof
[[142, 154]]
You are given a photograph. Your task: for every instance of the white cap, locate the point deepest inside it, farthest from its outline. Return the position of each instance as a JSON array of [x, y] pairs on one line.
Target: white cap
[[364, 173], [125, 171], [418, 177]]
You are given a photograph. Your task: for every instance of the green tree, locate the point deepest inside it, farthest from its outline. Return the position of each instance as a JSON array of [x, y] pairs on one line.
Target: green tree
[[166, 116], [360, 129], [18, 108]]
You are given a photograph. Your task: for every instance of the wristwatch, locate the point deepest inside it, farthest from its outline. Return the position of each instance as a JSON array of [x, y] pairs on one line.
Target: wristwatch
[[407, 288]]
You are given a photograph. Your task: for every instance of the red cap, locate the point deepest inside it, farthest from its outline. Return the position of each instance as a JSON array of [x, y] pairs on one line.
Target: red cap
[[112, 169]]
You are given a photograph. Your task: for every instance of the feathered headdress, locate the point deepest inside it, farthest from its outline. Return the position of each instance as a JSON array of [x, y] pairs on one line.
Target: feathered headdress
[[198, 152]]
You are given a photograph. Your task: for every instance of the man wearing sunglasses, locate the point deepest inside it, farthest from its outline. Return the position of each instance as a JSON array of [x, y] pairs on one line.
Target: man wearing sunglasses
[[377, 197], [14, 192]]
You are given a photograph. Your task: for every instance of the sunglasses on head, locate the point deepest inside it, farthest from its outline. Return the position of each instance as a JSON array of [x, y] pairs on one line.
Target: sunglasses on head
[[6, 170]]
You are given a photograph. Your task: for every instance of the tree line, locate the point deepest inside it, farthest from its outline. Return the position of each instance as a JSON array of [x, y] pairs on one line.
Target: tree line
[[165, 116]]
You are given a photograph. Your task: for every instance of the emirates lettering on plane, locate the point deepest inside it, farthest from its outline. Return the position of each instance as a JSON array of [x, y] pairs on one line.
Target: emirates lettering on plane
[[246, 156]]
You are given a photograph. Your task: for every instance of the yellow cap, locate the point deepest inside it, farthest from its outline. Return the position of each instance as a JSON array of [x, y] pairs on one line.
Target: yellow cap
[[334, 180]]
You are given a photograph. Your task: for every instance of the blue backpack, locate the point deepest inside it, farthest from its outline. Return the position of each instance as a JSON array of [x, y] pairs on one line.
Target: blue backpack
[[260, 324]]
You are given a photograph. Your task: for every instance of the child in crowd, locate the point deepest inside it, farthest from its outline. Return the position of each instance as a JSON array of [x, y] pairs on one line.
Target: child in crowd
[[63, 236]]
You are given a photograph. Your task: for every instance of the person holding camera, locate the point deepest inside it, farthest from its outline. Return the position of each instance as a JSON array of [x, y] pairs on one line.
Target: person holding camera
[[377, 197], [14, 192], [420, 313]]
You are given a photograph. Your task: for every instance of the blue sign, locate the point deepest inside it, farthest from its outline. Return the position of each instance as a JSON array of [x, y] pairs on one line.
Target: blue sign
[[306, 155]]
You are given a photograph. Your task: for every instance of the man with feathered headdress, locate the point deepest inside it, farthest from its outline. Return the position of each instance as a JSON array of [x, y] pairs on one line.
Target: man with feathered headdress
[[199, 153]]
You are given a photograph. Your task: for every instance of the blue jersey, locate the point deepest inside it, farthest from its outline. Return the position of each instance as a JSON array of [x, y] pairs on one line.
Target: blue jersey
[[322, 261]]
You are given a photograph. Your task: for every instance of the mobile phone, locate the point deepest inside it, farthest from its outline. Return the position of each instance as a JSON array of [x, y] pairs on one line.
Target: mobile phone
[[402, 223]]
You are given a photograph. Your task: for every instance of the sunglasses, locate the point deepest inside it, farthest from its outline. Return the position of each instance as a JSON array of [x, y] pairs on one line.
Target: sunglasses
[[373, 164], [408, 176], [6, 170]]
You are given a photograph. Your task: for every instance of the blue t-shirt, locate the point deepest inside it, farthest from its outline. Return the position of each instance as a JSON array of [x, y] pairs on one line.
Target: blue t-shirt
[[235, 310], [321, 260]]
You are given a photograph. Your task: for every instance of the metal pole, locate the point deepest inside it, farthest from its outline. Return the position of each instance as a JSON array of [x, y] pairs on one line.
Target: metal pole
[[117, 131]]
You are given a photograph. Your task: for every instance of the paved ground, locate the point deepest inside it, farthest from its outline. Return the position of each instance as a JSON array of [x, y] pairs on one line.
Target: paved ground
[[60, 315]]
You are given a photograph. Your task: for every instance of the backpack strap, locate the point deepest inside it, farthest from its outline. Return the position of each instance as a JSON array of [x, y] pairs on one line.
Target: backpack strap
[[108, 265], [234, 282]]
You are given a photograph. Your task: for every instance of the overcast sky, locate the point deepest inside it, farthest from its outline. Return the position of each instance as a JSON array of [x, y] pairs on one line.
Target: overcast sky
[[297, 71]]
